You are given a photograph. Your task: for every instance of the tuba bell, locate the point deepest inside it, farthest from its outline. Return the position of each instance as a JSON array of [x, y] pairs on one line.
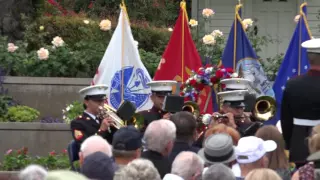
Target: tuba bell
[[265, 108], [107, 111], [192, 107]]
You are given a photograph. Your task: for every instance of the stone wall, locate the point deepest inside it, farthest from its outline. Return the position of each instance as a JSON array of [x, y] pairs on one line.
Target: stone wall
[[48, 95], [50, 136]]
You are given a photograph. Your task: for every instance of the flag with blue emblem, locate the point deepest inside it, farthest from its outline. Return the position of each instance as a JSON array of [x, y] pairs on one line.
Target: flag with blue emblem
[[239, 55], [122, 69], [295, 61]]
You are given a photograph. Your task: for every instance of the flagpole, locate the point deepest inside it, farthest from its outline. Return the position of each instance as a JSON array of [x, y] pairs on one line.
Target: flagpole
[[182, 50], [122, 53]]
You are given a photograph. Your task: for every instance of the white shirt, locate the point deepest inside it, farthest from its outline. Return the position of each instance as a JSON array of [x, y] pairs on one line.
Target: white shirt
[[172, 177], [236, 170], [92, 116]]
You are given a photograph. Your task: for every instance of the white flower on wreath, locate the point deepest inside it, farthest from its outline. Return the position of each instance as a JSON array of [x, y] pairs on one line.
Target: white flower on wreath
[[170, 29], [234, 75], [193, 23], [209, 39], [105, 25], [217, 33], [207, 12], [247, 23], [43, 54], [57, 41], [12, 48], [297, 18]]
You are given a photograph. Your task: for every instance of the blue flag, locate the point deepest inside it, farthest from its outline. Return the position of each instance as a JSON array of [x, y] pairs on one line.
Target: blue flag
[[295, 61], [239, 55]]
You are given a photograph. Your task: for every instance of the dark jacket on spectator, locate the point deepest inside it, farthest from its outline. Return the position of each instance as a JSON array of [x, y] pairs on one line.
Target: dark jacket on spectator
[[162, 163], [180, 146]]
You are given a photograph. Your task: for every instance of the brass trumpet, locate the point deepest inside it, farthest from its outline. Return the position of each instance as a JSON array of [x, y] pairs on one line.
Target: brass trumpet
[[107, 111], [265, 108]]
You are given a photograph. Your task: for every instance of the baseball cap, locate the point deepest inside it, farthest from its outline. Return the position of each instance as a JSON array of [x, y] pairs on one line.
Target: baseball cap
[[127, 138], [98, 165], [251, 148]]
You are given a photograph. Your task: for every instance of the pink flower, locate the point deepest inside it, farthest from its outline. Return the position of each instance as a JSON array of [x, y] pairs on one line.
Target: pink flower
[[52, 153], [9, 152]]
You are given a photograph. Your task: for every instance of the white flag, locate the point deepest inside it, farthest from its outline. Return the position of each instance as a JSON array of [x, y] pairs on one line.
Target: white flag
[[122, 58]]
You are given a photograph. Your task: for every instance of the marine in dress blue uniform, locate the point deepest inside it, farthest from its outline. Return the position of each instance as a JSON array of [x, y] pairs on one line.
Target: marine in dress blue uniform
[[88, 123], [159, 89], [233, 98], [300, 108]]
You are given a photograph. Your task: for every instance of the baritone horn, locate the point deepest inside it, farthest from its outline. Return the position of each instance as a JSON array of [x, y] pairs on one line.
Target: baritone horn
[[192, 107], [107, 111], [265, 108]]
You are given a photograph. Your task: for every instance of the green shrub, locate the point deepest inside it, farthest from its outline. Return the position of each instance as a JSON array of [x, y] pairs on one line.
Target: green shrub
[[72, 111], [271, 66], [4, 105], [150, 61], [75, 32], [22, 114], [15, 160]]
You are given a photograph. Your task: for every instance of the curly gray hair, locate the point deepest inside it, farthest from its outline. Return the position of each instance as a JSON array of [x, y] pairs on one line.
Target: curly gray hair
[[138, 169]]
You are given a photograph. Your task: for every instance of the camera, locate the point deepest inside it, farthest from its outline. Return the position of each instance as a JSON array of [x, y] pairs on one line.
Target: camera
[[221, 119]]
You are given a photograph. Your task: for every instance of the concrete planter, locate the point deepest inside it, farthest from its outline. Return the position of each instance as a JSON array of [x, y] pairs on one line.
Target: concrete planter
[[39, 138], [46, 94], [9, 175]]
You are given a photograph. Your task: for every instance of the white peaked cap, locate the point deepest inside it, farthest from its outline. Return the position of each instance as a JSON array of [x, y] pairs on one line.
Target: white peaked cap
[[236, 95], [236, 83], [99, 89], [161, 85], [312, 45]]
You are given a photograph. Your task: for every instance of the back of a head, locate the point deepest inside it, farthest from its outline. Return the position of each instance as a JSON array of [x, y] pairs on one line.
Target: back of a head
[[65, 175], [217, 172], [185, 123], [33, 172], [187, 164], [222, 128], [138, 169], [98, 165], [263, 174], [158, 134], [94, 144], [314, 59], [277, 158]]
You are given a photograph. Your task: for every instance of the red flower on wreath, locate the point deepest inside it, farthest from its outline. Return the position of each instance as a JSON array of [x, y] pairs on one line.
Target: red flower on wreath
[[193, 82], [198, 80]]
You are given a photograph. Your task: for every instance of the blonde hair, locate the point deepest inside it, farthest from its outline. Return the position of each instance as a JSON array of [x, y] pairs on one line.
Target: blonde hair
[[222, 128], [314, 140], [263, 174]]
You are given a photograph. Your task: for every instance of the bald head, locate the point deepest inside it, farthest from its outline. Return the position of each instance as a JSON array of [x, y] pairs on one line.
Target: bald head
[[187, 164], [95, 144]]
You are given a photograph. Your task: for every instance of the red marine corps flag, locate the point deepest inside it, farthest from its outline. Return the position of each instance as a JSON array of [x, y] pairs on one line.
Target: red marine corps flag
[[181, 57]]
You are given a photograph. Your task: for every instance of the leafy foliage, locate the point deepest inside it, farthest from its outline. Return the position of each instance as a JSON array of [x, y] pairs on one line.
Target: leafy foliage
[[15, 160], [271, 66], [21, 114], [72, 111]]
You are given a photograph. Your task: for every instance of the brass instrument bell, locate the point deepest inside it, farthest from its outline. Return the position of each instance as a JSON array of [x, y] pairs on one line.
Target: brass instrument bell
[[265, 108]]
